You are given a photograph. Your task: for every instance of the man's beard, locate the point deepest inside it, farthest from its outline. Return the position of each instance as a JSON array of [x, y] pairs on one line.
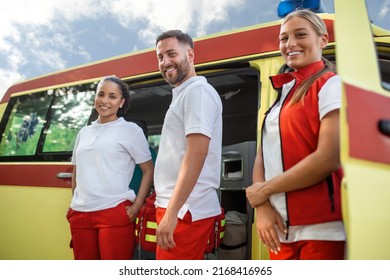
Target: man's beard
[[182, 70]]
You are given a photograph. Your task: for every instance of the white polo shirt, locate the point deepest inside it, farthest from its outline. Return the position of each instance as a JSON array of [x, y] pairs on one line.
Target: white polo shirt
[[105, 156], [196, 107]]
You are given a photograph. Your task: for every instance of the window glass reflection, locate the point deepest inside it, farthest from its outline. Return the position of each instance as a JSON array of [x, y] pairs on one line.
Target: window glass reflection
[[69, 113], [24, 126]]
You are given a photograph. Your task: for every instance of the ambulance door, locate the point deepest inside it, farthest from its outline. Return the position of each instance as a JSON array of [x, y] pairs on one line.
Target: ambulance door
[[363, 65]]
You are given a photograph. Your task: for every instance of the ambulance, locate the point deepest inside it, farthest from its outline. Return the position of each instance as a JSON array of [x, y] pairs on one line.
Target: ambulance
[[40, 118]]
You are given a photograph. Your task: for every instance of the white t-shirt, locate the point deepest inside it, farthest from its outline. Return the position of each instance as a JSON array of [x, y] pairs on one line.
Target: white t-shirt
[[195, 108], [105, 156], [329, 98]]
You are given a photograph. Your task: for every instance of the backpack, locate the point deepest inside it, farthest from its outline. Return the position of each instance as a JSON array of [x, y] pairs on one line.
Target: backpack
[[217, 233], [146, 225]]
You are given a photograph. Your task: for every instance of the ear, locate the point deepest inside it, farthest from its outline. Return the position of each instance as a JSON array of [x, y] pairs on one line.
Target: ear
[[324, 40], [191, 55]]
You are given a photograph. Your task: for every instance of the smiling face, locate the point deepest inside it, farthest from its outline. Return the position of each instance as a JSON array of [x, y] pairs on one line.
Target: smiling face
[[175, 61], [299, 43], [108, 100]]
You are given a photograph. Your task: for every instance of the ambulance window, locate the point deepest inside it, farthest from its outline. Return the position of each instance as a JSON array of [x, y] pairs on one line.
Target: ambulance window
[[376, 13], [385, 72], [43, 126], [69, 113], [26, 119]]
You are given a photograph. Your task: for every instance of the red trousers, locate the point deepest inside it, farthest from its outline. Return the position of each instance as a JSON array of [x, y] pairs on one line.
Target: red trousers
[[190, 237], [310, 250], [102, 235]]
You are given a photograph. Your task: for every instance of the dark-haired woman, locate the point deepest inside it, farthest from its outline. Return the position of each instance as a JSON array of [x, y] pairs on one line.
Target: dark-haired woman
[[103, 208]]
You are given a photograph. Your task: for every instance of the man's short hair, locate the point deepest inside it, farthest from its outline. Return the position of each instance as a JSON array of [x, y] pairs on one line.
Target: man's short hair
[[179, 35]]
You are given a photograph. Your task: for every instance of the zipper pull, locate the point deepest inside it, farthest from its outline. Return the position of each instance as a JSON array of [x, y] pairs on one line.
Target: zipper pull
[[287, 227]]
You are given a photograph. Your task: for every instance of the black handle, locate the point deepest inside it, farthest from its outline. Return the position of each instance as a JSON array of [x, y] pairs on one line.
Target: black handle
[[384, 127]]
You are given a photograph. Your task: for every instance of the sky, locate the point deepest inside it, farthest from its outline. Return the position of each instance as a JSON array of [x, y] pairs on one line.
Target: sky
[[42, 36]]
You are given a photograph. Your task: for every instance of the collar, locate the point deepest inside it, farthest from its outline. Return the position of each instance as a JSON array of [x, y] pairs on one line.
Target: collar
[[279, 80], [176, 90], [188, 82], [96, 123]]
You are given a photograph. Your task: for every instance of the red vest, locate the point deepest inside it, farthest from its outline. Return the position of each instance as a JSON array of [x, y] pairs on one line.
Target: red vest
[[299, 132]]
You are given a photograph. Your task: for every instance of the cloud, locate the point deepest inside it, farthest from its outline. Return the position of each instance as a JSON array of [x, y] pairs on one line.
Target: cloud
[[28, 37], [40, 36], [384, 11], [152, 17]]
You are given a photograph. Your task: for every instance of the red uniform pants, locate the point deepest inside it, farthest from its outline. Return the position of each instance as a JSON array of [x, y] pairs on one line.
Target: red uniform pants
[[190, 237], [310, 250], [102, 235]]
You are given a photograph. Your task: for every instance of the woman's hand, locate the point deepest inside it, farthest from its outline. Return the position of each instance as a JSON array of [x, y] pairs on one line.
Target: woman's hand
[[268, 221], [256, 195], [132, 212]]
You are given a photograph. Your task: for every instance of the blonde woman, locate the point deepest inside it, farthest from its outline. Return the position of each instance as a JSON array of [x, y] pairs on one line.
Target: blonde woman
[[297, 173]]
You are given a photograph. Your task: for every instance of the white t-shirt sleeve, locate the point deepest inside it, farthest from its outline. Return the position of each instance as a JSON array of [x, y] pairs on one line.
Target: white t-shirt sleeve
[[137, 146], [202, 110], [329, 97]]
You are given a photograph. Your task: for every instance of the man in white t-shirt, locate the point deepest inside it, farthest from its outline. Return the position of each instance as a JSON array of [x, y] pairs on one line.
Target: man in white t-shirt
[[187, 171]]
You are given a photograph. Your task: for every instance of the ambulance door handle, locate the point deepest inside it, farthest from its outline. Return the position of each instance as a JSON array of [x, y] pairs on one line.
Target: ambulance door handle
[[64, 175], [384, 127]]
